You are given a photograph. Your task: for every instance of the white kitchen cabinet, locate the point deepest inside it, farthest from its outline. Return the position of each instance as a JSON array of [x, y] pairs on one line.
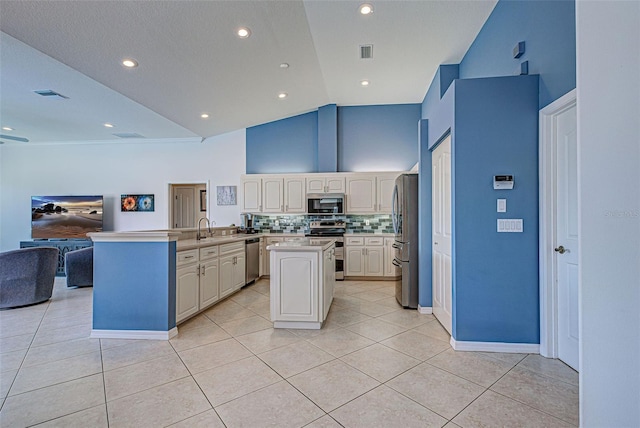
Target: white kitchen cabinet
[[364, 256], [251, 194], [266, 254], [209, 291], [384, 191], [389, 253], [361, 194], [329, 280], [272, 195], [294, 195], [325, 184], [187, 291], [196, 281], [232, 268], [261, 262]]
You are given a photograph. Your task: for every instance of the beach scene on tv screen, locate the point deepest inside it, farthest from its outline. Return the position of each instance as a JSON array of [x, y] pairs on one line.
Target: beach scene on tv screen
[[65, 216]]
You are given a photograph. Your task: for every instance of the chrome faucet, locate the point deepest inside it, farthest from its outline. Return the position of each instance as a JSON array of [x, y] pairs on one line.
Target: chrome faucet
[[198, 234]]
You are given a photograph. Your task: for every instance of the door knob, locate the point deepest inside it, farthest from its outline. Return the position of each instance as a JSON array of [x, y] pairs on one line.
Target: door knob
[[560, 250]]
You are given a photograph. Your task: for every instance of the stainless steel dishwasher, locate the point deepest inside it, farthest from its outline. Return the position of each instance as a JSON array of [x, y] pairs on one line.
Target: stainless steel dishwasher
[[253, 260]]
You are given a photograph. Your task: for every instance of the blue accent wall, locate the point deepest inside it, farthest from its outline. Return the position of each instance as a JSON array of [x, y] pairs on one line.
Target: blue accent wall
[[287, 145], [134, 286], [378, 138], [445, 76], [548, 29], [328, 138]]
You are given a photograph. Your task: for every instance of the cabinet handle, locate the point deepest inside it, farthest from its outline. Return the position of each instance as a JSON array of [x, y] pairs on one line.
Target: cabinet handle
[[189, 257], [204, 270], [198, 270]]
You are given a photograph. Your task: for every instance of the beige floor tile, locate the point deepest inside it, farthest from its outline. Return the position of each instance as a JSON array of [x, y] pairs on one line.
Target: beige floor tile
[[324, 422], [435, 330], [198, 321], [43, 375], [477, 368], [227, 310], [245, 325], [53, 402], [114, 343], [392, 303], [60, 351], [347, 301], [296, 358], [506, 357], [12, 360], [15, 343], [27, 314], [66, 322], [266, 340], [262, 287], [247, 297], [134, 352], [437, 390], [373, 309], [384, 407], [492, 410], [134, 378], [416, 345], [262, 308], [332, 384], [47, 337], [198, 337], [238, 378], [345, 317], [208, 419], [279, 405], [371, 295], [380, 362], [552, 396], [550, 367], [375, 329], [159, 406], [95, 417], [6, 380], [10, 329], [407, 318], [339, 342], [213, 355]]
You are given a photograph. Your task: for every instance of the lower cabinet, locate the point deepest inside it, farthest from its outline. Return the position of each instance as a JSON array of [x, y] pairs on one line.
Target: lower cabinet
[[266, 262], [187, 291], [232, 268], [209, 292], [364, 256], [389, 253]]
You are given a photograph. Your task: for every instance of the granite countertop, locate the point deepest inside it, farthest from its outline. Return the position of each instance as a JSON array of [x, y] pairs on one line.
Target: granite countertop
[[190, 244], [303, 244]]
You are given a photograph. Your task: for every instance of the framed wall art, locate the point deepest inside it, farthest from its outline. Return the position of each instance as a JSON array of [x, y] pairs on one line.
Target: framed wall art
[[137, 203], [226, 195]]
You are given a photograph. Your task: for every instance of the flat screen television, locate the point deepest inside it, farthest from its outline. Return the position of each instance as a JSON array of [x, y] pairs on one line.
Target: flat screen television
[[65, 217]]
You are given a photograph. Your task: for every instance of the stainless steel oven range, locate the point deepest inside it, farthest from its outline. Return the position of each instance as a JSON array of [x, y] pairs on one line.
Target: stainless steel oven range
[[333, 229]]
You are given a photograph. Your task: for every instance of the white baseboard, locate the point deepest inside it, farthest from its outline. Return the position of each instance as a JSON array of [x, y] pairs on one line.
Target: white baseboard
[[425, 309], [515, 348], [134, 334], [298, 325]]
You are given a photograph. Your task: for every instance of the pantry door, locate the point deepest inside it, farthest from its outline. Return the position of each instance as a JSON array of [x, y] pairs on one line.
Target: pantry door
[[441, 229]]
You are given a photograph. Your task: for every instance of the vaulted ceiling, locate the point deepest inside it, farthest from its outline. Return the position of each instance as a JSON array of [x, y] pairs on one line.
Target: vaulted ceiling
[[191, 62]]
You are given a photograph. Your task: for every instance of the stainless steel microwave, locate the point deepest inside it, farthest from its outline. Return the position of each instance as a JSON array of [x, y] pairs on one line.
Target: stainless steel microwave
[[325, 203]]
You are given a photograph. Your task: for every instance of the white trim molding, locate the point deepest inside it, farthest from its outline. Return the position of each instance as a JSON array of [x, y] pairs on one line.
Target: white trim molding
[[515, 348], [547, 224], [134, 334], [425, 309]]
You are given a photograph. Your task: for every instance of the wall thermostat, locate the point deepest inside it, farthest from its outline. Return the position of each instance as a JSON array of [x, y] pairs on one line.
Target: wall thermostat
[[503, 182]]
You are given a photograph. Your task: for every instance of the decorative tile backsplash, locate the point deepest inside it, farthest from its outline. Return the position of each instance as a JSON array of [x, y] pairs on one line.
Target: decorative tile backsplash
[[282, 223]]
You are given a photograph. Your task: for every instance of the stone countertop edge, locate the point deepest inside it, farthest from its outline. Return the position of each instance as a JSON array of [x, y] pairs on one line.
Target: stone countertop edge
[[141, 236], [301, 246]]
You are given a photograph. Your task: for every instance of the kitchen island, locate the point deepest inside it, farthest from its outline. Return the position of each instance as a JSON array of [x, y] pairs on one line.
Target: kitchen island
[[302, 282]]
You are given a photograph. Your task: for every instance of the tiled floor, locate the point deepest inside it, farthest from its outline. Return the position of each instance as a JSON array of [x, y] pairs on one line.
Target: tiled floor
[[372, 365]]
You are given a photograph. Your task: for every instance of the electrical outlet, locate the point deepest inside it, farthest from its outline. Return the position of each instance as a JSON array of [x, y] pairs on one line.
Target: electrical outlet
[[277, 223], [366, 222], [224, 232]]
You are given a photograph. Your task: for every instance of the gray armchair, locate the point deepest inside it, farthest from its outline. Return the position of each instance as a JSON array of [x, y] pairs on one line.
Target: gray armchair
[[27, 276], [78, 266]]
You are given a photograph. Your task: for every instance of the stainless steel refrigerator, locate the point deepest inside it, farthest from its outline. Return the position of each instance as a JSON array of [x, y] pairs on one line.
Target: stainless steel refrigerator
[[405, 226]]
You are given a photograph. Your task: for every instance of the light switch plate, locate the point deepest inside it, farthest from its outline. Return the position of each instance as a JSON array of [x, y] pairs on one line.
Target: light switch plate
[[510, 225], [502, 205], [366, 222]]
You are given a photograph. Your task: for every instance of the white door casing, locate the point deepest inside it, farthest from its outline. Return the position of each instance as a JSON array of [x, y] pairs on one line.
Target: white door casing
[[558, 227], [441, 239]]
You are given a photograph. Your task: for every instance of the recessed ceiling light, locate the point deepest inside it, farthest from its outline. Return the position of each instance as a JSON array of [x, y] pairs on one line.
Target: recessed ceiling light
[[108, 125], [283, 95], [7, 128], [130, 63], [243, 32], [204, 115], [284, 65], [366, 9], [364, 83]]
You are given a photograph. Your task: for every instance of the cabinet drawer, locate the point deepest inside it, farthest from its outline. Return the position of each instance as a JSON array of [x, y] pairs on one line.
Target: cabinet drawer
[[208, 252], [231, 247], [374, 241], [273, 240], [186, 257], [354, 241]]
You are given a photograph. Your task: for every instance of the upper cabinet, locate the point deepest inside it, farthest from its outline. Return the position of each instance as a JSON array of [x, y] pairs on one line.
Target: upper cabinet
[[271, 193]]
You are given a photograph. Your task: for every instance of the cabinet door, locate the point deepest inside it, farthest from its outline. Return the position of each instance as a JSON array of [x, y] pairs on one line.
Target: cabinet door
[[209, 292], [187, 291], [266, 264], [354, 260], [361, 194], [335, 184], [239, 274], [315, 185], [329, 278], [374, 261], [294, 195], [226, 275], [261, 263], [389, 268], [272, 195], [252, 195], [295, 287], [385, 192]]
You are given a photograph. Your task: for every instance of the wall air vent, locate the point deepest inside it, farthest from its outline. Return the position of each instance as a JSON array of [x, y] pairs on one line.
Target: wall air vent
[[366, 51], [50, 93], [127, 135]]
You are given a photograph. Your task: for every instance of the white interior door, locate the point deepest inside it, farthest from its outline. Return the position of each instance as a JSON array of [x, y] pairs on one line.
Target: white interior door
[[566, 236], [441, 223], [184, 207]]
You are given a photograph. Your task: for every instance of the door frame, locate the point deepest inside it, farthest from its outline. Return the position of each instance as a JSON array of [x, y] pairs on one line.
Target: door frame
[[548, 223], [169, 196]]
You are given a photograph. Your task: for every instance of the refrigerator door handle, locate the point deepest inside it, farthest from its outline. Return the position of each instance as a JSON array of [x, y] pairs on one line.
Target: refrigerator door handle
[[394, 216], [396, 263]]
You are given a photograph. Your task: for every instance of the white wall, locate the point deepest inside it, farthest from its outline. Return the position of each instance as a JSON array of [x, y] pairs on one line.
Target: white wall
[[112, 169], [608, 93]]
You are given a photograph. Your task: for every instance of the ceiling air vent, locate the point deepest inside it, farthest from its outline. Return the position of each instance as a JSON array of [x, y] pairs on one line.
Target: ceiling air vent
[[366, 51], [50, 93], [127, 135]]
